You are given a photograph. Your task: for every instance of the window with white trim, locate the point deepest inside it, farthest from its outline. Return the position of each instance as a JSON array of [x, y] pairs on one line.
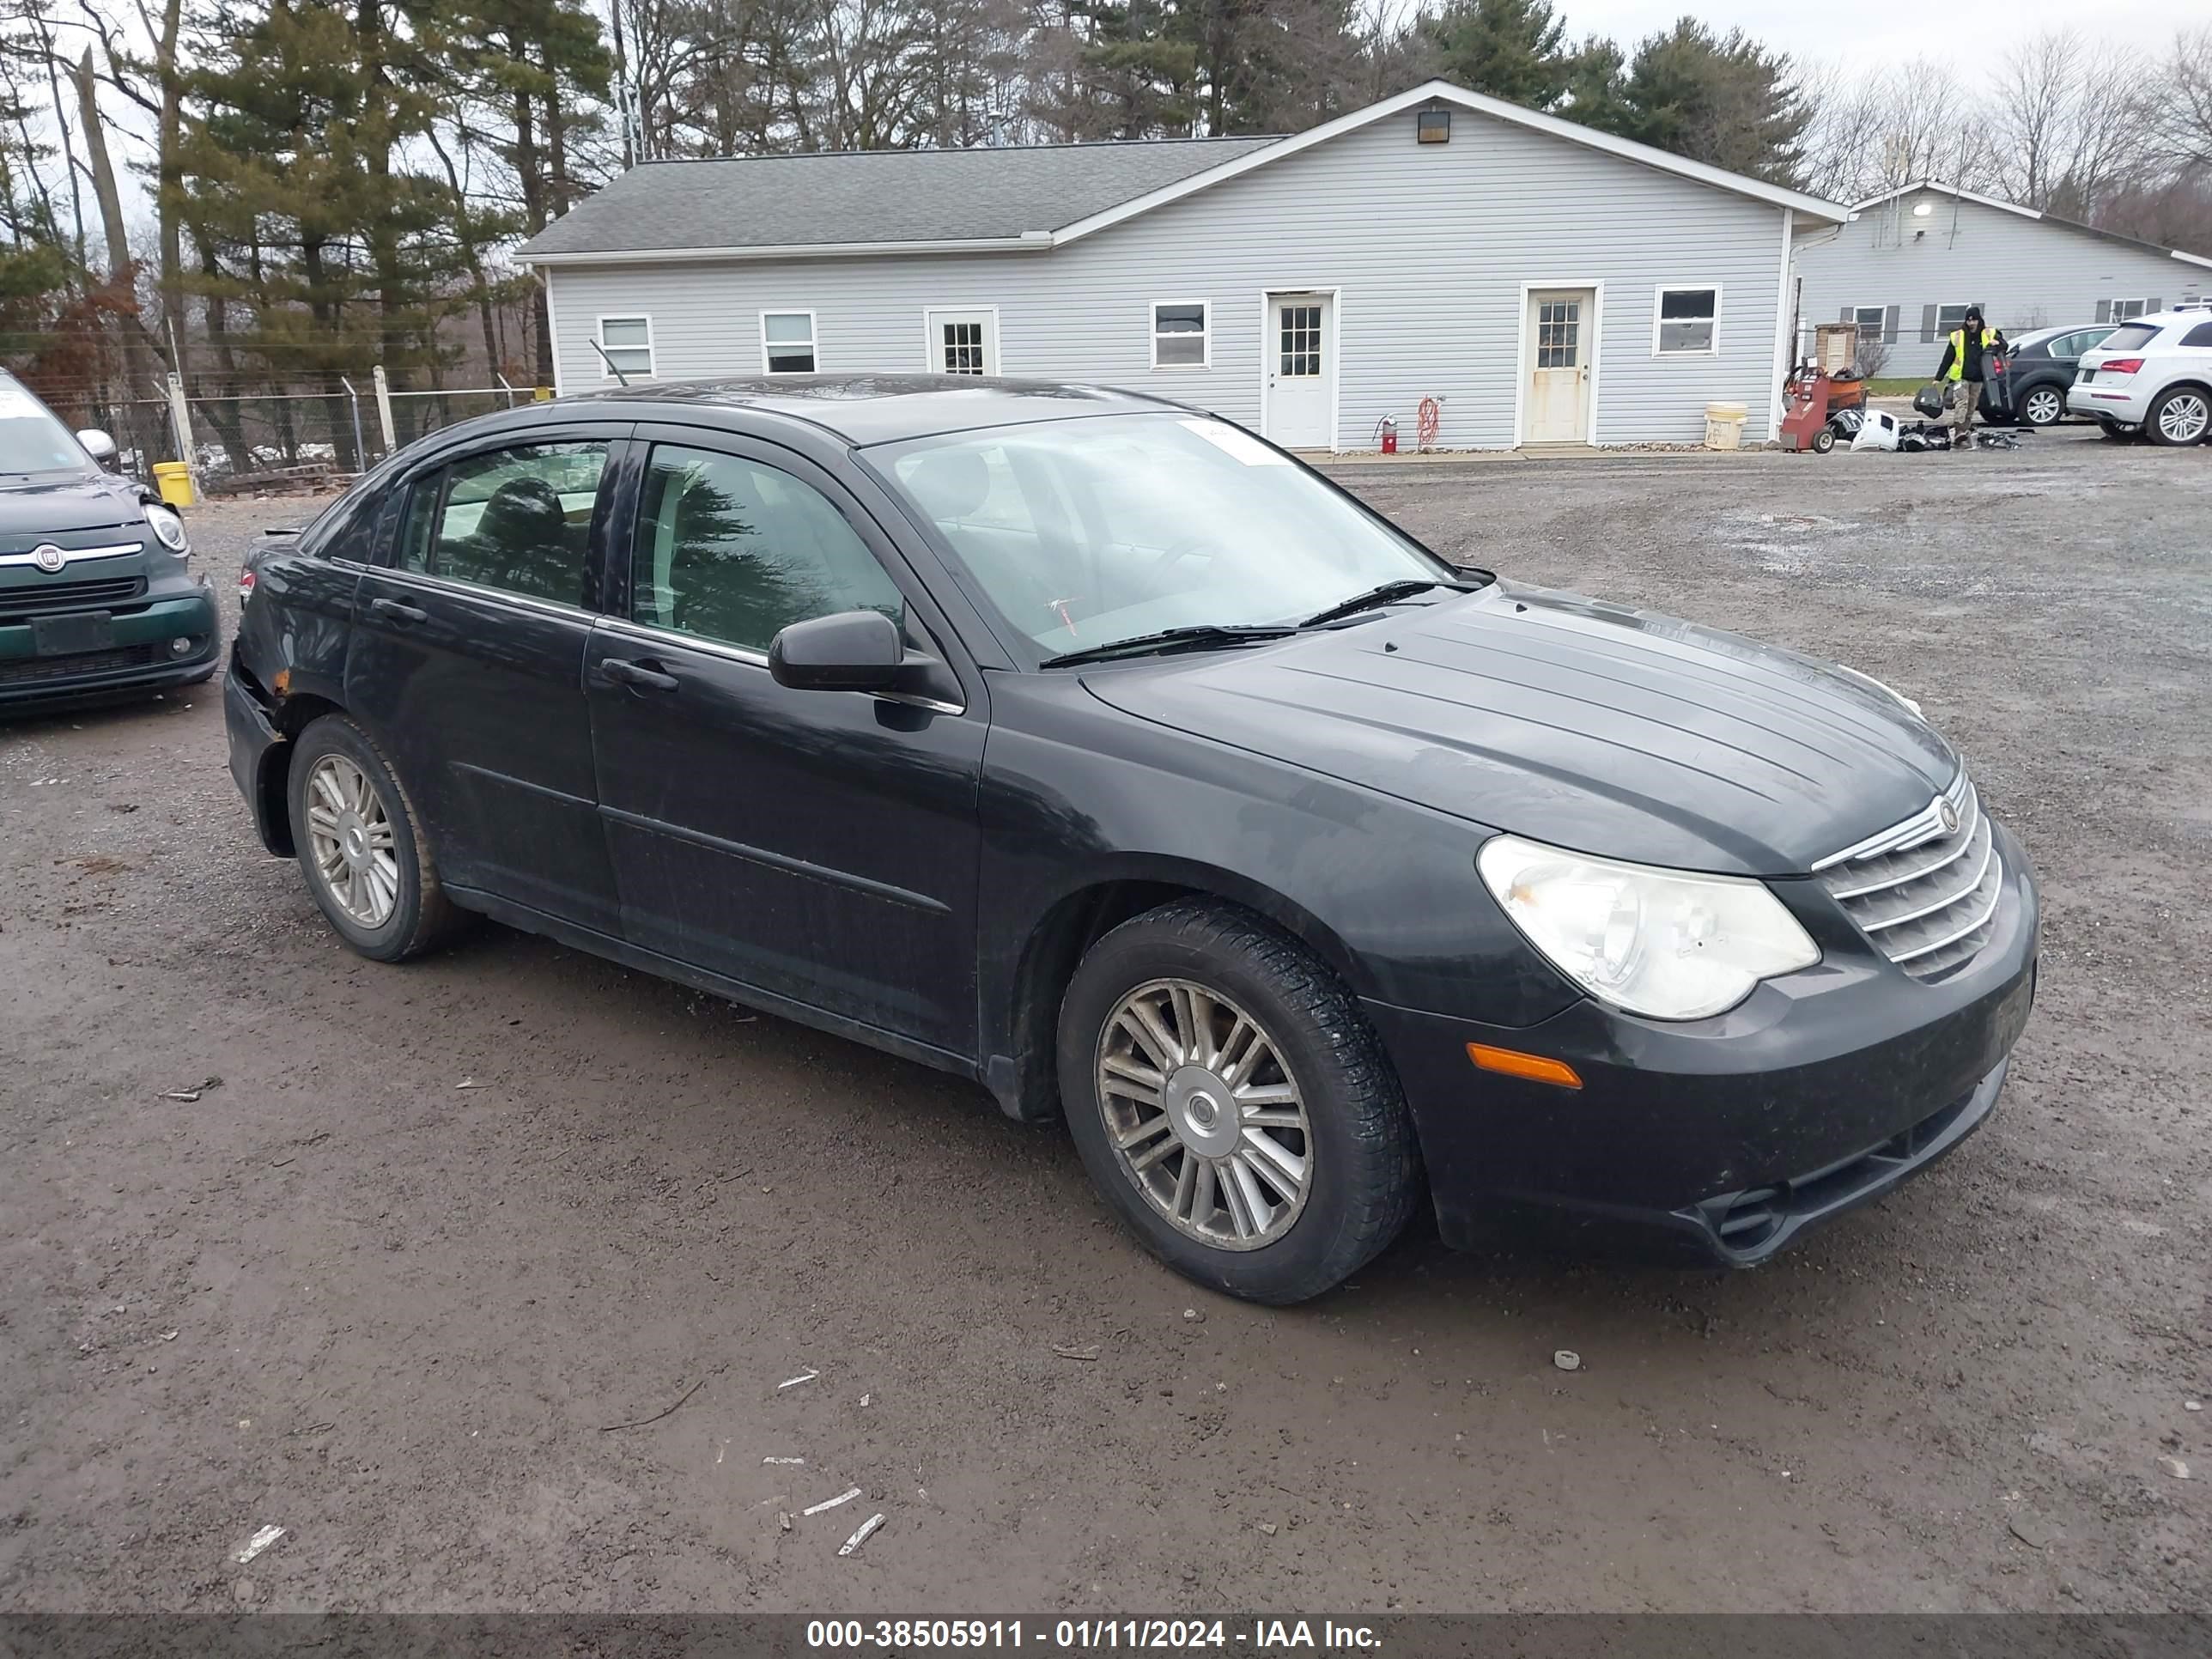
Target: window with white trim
[[2123, 310], [1183, 333], [1686, 322], [787, 342], [1870, 319], [1950, 318], [628, 344]]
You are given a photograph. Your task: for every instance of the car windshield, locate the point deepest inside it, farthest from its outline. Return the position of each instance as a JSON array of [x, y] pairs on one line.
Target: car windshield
[[1087, 531], [32, 439]]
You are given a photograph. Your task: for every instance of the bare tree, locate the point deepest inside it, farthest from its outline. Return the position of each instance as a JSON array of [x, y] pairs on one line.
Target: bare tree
[[2073, 123]]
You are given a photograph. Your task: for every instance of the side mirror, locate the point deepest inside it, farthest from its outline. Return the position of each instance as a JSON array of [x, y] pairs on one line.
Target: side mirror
[[97, 444], [852, 651]]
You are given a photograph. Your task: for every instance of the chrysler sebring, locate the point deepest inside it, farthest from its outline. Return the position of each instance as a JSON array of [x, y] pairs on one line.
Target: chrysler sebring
[[1091, 747]]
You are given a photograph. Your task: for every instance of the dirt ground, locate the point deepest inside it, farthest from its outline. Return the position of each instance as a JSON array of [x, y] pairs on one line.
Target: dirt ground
[[396, 1283]]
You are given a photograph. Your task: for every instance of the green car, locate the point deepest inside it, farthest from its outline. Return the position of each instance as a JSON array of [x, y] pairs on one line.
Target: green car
[[97, 600]]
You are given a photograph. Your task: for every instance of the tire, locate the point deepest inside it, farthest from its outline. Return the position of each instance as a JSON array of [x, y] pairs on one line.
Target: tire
[[2042, 405], [392, 906], [2179, 416], [2113, 431], [1823, 441], [1308, 1059]]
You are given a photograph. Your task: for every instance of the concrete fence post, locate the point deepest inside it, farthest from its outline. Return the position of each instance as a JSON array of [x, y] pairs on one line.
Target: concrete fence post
[[384, 410]]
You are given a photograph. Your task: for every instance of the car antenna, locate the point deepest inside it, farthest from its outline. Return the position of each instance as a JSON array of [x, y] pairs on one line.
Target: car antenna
[[609, 362]]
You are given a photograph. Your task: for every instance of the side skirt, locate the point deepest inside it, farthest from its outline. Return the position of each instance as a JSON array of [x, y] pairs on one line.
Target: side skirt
[[522, 918]]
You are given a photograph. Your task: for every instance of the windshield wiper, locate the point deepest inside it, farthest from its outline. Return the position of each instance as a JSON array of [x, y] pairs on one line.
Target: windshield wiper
[[1403, 589], [1169, 639]]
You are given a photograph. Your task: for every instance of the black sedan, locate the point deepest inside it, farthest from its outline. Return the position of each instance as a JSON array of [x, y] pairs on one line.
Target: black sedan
[[2038, 373], [1092, 748]]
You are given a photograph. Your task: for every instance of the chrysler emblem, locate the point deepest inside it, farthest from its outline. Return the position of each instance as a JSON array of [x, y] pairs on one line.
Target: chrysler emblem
[[48, 557], [1947, 814]]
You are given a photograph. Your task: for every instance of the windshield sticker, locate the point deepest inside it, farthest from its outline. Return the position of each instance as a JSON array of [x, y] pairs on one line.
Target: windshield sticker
[[1242, 444]]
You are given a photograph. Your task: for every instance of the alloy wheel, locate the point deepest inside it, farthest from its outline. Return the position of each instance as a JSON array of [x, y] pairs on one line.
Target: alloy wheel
[[1204, 1115], [350, 836], [2184, 417], [2043, 407]]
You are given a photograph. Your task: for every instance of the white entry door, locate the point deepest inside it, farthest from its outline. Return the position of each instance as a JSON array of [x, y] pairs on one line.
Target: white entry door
[[1561, 337], [964, 341], [1301, 363]]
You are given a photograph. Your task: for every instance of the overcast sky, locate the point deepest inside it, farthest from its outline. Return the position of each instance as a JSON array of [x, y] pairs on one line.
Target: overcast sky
[[1867, 33]]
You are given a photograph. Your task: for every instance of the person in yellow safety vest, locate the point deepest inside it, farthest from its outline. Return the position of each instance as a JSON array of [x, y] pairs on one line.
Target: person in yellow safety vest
[[1966, 363]]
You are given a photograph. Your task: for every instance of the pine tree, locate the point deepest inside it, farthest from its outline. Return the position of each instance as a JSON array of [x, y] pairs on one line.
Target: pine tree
[[1510, 49]]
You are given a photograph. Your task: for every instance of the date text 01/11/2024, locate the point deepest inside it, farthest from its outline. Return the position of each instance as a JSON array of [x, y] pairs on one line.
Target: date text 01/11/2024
[[1263, 1636]]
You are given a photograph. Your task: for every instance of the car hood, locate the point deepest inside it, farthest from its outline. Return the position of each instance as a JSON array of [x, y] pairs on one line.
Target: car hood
[[1569, 720], [33, 508]]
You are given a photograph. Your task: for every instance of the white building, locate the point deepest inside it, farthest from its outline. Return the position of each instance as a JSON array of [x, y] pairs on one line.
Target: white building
[[1544, 282], [1910, 263]]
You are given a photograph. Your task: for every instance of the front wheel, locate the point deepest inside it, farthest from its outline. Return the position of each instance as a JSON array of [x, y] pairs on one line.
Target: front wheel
[[2179, 415], [2043, 406], [360, 847], [2113, 431], [1823, 441], [1232, 1103]]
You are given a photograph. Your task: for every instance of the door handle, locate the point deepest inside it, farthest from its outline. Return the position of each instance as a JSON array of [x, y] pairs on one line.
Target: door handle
[[637, 676], [398, 612]]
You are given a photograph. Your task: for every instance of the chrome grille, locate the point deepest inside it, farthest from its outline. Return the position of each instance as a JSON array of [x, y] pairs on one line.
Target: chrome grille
[[1926, 896]]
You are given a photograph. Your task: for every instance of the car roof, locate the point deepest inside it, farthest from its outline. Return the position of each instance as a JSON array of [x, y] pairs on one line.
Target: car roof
[[867, 409]]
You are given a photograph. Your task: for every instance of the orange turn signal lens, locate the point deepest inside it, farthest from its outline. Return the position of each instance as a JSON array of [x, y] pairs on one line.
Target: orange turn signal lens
[[1513, 1063]]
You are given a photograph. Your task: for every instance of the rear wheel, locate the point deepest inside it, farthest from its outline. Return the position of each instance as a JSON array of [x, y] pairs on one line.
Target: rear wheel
[[1823, 441], [360, 847], [1232, 1103], [2113, 430], [2043, 406], [2179, 415]]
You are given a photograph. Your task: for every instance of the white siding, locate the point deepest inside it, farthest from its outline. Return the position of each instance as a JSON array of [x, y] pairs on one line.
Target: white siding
[[1430, 246], [2024, 273]]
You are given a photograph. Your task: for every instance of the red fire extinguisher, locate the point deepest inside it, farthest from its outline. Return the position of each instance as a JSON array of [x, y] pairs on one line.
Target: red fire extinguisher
[[1388, 428]]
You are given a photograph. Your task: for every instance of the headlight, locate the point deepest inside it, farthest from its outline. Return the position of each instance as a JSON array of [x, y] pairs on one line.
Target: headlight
[[1663, 943], [170, 529]]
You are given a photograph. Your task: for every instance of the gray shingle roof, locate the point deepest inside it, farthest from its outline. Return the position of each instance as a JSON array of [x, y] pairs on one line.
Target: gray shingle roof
[[872, 196]]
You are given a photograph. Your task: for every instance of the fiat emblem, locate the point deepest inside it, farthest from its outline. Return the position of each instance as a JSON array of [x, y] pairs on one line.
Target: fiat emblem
[[48, 557], [1949, 816]]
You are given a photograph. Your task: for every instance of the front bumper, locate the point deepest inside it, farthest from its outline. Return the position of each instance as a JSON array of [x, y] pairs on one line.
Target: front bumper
[[1722, 1139], [137, 658], [2112, 401]]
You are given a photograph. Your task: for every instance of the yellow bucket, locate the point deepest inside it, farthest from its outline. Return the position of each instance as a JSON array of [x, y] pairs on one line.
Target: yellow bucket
[[175, 480]]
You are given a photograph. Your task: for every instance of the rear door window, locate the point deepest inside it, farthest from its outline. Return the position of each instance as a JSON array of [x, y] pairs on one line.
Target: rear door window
[[516, 519]]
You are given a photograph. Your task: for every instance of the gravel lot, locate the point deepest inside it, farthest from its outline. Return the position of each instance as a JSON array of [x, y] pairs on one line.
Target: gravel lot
[[344, 1294]]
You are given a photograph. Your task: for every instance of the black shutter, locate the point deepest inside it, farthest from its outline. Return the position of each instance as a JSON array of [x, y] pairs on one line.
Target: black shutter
[[1849, 315], [1928, 324], [2157, 304], [2104, 311], [1889, 327]]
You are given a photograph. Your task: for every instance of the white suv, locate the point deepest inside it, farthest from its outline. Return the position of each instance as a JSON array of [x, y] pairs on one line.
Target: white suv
[[2152, 374]]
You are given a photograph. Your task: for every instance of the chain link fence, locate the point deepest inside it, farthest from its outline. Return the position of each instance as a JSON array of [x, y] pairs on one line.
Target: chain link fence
[[291, 440]]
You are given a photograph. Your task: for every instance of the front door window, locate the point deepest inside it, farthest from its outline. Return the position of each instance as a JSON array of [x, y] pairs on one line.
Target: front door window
[[1301, 342], [1559, 328], [734, 550]]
